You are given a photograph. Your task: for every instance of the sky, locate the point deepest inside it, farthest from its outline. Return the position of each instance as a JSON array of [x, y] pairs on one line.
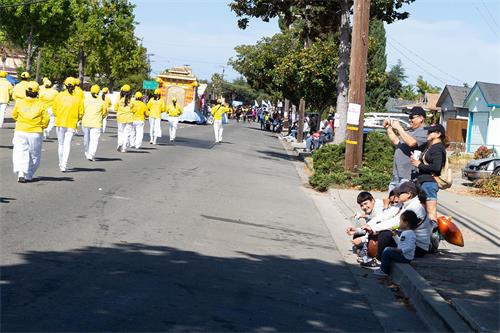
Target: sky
[[445, 41]]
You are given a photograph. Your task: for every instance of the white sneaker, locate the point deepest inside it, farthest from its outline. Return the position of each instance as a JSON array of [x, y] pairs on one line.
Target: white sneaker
[[63, 169]]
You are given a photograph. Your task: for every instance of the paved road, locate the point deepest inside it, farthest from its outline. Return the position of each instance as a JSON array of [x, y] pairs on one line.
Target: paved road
[[194, 236]]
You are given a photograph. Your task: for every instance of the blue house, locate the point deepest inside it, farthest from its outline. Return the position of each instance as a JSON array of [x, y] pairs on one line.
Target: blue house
[[483, 129]]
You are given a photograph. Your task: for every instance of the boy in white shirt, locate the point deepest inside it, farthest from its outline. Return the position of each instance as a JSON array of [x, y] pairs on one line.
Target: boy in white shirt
[[406, 242]]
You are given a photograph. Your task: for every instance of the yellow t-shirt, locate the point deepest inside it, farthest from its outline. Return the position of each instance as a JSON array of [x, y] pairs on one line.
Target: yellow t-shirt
[[30, 115], [156, 107], [140, 110], [217, 111], [93, 112], [174, 111], [68, 109], [5, 90], [48, 95], [124, 113], [19, 90]]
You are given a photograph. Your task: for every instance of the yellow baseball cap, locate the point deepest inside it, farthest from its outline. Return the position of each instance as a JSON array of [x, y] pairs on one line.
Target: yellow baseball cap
[[125, 88], [25, 75], [95, 89], [32, 86], [138, 95], [157, 92], [3, 74]]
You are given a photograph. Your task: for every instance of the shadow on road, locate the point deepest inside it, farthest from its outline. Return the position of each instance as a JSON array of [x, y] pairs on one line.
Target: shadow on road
[[7, 147], [52, 179], [137, 287], [6, 200], [107, 159], [138, 152], [277, 155], [86, 170]]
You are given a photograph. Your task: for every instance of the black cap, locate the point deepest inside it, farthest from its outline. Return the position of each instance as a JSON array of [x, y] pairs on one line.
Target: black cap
[[417, 111], [436, 128], [406, 187]]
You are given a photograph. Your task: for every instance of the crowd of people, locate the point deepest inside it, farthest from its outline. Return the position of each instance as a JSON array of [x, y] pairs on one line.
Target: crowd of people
[[403, 225], [40, 108], [314, 135]]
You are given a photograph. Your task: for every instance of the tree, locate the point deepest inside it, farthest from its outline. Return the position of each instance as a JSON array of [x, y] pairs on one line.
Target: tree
[[408, 93], [424, 87], [395, 78], [377, 92]]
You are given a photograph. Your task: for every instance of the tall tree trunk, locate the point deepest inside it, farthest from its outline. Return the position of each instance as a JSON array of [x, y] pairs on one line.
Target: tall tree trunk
[[30, 50], [38, 64], [81, 64], [302, 104], [343, 73]]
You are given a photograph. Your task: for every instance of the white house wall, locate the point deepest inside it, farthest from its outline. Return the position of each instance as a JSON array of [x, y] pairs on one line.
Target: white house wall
[[493, 139]]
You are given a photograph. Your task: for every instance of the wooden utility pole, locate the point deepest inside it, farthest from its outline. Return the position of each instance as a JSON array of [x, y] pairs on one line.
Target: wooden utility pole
[[357, 85], [300, 128]]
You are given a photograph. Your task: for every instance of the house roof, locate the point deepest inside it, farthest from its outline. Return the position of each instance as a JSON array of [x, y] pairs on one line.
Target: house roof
[[457, 95], [179, 73], [395, 103], [427, 102], [491, 92]]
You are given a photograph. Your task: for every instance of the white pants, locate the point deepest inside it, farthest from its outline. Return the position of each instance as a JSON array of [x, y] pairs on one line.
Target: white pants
[[64, 137], [154, 128], [218, 130], [124, 135], [138, 133], [52, 122], [3, 106], [104, 123], [172, 127], [27, 153], [90, 141]]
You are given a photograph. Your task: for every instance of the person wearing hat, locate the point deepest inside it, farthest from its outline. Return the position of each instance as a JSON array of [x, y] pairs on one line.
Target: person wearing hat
[[31, 118], [125, 118], [140, 112], [429, 165], [406, 141], [19, 90], [107, 105], [68, 110], [5, 93], [156, 107], [382, 225], [217, 112], [93, 114], [174, 111], [47, 96]]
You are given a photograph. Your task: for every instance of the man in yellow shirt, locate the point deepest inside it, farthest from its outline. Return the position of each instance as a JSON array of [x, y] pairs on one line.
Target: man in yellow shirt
[[140, 112], [124, 118], [19, 90], [93, 114], [31, 118], [47, 96], [5, 93], [68, 110], [174, 111], [107, 105], [217, 112], [156, 107]]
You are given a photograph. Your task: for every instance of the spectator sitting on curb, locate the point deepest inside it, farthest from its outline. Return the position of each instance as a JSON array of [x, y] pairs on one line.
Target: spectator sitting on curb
[[324, 134], [381, 227], [391, 200], [406, 243], [406, 141]]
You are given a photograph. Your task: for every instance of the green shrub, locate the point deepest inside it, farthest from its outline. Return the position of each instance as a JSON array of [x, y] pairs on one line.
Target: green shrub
[[328, 167], [370, 179], [489, 186]]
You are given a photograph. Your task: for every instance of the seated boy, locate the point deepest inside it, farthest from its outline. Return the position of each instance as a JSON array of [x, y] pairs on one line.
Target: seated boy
[[406, 243], [370, 207]]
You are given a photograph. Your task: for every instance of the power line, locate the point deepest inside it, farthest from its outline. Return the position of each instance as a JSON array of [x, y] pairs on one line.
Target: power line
[[418, 65], [489, 13], [427, 62], [27, 3], [487, 22]]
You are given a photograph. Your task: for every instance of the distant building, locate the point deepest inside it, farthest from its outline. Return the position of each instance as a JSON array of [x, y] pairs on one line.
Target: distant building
[[454, 115], [483, 103], [394, 105], [10, 59]]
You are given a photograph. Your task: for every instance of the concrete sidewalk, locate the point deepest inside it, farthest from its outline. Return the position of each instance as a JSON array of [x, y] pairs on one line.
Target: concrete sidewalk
[[456, 289]]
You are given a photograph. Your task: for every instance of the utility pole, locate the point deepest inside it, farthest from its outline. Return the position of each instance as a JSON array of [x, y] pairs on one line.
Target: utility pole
[[357, 86]]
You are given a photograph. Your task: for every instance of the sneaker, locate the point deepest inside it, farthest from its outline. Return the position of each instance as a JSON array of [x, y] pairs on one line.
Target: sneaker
[[150, 142], [372, 264], [123, 150], [118, 148], [379, 273], [21, 180], [435, 238], [63, 169]]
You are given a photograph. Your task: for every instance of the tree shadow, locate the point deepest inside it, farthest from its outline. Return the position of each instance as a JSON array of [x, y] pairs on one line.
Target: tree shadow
[[52, 179], [86, 170], [6, 200], [107, 159], [136, 287], [277, 155]]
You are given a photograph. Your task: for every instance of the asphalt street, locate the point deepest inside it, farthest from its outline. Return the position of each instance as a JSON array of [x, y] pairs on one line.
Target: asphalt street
[[186, 237]]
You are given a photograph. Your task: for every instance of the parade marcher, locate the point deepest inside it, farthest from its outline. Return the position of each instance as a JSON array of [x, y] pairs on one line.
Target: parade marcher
[[107, 105], [47, 96], [156, 107], [217, 112], [42, 86], [31, 118], [93, 114], [174, 111], [68, 110], [19, 90], [5, 93], [124, 118], [140, 112]]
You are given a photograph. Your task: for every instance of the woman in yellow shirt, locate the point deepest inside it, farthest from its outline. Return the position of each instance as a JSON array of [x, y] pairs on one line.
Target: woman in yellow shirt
[[125, 119], [174, 111], [93, 114], [47, 96], [156, 107], [107, 104], [140, 112], [31, 118]]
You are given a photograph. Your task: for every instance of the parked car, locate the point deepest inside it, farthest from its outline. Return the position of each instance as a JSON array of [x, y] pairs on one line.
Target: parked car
[[376, 123], [481, 168]]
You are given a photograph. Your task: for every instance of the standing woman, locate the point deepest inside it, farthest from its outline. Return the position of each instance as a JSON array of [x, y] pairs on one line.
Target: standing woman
[[217, 112], [31, 118], [107, 104], [47, 96], [124, 118], [140, 112], [429, 165], [68, 110], [5, 93], [174, 111], [156, 107], [94, 113]]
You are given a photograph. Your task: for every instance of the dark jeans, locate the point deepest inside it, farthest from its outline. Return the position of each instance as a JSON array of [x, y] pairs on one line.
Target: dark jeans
[[384, 240], [388, 256]]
